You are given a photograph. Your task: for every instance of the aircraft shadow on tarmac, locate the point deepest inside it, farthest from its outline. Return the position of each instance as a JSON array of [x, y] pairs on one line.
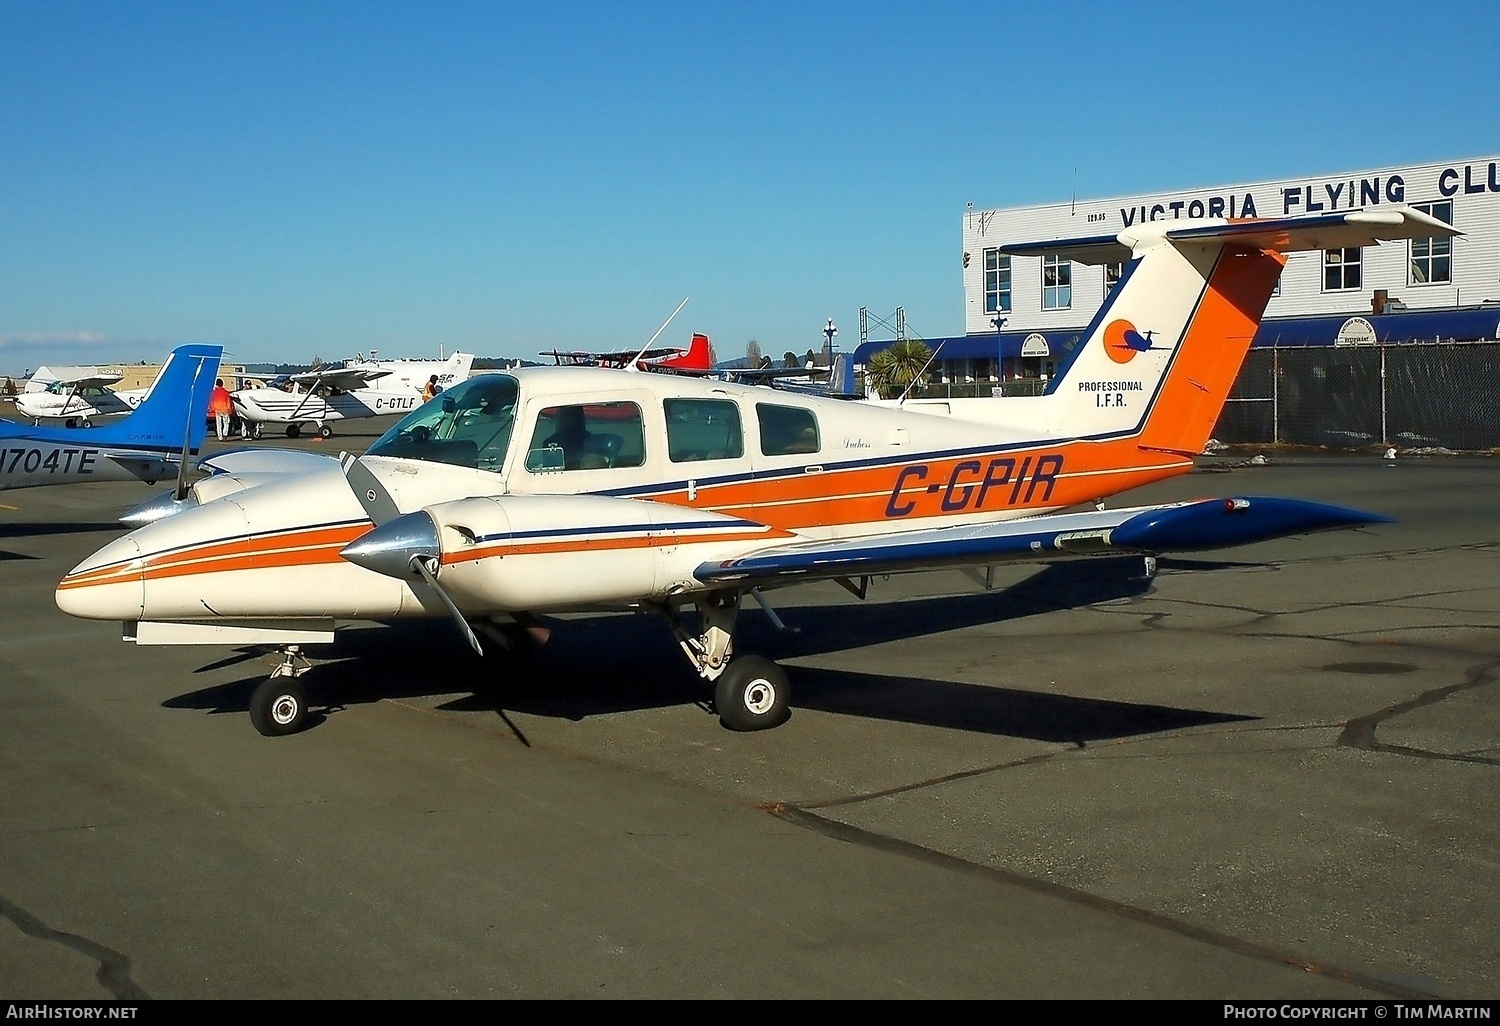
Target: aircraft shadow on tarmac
[[598, 665], [47, 529]]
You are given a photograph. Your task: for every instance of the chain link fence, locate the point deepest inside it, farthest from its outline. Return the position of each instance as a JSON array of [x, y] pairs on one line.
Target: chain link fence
[[1410, 396]]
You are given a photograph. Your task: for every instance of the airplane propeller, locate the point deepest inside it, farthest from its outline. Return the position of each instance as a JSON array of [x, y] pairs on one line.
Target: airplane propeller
[[401, 544]]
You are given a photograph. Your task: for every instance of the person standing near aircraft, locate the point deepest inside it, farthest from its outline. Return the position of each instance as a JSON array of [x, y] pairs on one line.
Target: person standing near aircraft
[[220, 406], [431, 389]]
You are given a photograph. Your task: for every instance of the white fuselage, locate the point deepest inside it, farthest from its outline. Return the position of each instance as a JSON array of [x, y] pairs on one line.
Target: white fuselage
[[64, 403], [396, 391], [525, 527]]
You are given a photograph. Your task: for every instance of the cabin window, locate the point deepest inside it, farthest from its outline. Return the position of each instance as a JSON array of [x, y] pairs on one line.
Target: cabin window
[[591, 436], [785, 430], [1341, 269], [703, 429], [1432, 258], [996, 282], [1057, 283], [469, 425]]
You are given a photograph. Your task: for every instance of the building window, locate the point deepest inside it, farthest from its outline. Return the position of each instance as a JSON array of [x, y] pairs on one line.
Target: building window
[[1432, 258], [1112, 274], [996, 282], [1057, 283], [1341, 269]]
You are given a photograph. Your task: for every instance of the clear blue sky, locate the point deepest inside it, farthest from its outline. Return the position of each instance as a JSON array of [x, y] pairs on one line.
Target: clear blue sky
[[300, 179]]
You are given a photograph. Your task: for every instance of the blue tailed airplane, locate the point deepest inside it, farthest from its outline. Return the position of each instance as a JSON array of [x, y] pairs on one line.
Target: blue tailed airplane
[[147, 444]]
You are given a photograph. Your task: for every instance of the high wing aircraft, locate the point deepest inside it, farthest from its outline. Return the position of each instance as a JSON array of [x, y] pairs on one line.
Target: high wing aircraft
[[362, 388], [147, 444], [696, 358], [77, 400], [551, 489]]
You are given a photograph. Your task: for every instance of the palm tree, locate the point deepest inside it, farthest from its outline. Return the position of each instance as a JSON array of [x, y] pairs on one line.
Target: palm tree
[[896, 366]]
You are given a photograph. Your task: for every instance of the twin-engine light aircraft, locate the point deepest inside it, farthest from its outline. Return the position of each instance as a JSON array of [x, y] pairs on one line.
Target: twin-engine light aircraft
[[360, 388], [551, 489], [149, 444]]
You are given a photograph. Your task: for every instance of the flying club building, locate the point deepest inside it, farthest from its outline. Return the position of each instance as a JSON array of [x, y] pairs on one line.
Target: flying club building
[[1023, 314]]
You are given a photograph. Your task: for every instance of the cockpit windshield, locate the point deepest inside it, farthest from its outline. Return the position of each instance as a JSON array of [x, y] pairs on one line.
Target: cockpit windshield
[[469, 425]]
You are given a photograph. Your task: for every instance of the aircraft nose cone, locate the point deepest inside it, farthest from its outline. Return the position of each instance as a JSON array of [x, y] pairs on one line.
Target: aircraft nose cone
[[109, 585], [390, 548]]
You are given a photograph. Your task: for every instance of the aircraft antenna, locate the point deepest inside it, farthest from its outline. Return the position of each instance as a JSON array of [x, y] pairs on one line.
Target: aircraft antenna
[[913, 383], [180, 492], [634, 364]]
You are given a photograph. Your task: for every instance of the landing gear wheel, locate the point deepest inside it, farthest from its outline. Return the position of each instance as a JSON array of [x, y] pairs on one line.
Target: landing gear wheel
[[256, 430], [751, 694], [324, 431], [293, 430], [278, 707], [87, 423]]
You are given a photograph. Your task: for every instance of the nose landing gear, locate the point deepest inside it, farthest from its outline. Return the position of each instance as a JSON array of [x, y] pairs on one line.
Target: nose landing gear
[[279, 705]]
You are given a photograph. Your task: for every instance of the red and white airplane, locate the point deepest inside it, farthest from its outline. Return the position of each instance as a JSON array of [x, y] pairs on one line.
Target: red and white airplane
[[697, 358], [551, 489]]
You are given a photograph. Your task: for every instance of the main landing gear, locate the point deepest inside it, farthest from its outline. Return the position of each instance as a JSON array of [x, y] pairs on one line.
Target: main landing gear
[[750, 691], [279, 705], [295, 431]]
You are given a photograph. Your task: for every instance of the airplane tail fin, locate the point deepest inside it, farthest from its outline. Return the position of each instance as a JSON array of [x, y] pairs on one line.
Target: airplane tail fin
[[174, 409], [460, 364], [698, 357], [1161, 355]]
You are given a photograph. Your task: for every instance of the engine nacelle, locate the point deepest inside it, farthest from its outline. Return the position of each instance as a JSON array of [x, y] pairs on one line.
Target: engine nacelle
[[541, 552]]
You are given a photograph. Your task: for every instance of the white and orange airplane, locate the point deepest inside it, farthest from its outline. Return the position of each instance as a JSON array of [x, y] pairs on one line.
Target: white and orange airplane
[[549, 489]]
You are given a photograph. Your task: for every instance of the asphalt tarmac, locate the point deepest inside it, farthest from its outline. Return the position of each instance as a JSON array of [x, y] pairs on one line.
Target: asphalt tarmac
[[1268, 773]]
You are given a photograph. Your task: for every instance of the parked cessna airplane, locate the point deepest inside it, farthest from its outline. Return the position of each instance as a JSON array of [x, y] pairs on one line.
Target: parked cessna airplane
[[552, 489], [696, 358], [77, 399], [147, 444], [360, 388]]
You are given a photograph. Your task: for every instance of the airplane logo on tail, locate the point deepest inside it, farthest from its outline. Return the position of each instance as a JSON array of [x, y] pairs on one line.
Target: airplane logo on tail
[[1122, 341]]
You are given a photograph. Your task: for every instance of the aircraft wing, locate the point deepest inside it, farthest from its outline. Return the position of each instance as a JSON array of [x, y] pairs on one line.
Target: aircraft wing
[[342, 378], [90, 380], [1144, 530]]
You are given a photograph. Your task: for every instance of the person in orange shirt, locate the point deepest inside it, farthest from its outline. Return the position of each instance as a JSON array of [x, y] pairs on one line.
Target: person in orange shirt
[[222, 409]]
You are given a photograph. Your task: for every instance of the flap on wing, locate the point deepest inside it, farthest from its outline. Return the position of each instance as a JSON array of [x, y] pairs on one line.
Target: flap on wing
[[1178, 527]]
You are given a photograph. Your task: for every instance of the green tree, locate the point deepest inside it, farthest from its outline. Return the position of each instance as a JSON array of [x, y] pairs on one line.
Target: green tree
[[896, 366]]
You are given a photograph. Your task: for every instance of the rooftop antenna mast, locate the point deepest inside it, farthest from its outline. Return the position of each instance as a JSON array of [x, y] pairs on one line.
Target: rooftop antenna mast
[[634, 364]]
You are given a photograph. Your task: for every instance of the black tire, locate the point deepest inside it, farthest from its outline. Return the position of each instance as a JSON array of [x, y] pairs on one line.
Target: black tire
[[752, 694], [293, 430], [255, 430], [278, 707], [324, 431]]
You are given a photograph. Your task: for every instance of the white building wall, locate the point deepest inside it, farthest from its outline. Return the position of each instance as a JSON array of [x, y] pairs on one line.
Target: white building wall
[[1473, 186]]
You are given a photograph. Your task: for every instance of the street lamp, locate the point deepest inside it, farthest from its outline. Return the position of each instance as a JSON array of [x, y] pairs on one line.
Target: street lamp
[[829, 330], [999, 322]]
